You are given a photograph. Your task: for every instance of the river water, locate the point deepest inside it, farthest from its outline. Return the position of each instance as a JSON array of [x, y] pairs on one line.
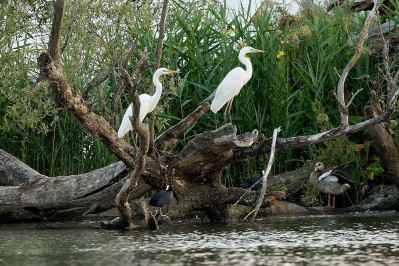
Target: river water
[[356, 239]]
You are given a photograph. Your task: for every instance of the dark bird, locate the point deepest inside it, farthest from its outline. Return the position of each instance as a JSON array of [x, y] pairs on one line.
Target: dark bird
[[162, 198], [330, 182], [249, 182]]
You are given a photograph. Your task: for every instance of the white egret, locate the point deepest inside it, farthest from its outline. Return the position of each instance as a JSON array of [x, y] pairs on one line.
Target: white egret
[[147, 102], [233, 82]]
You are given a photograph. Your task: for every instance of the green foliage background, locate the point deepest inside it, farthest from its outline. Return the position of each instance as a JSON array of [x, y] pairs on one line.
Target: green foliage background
[[291, 86]]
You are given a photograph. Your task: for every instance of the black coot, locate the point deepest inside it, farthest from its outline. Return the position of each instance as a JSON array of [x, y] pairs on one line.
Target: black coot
[[162, 198], [249, 182]]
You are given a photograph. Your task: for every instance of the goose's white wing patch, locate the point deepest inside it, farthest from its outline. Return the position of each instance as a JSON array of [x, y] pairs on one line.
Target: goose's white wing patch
[[321, 177]]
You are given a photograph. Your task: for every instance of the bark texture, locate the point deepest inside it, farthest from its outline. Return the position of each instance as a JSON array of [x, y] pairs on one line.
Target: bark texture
[[383, 140], [23, 189]]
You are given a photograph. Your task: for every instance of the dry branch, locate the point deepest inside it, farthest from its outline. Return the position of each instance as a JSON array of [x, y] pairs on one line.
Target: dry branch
[[142, 130], [158, 54], [266, 173], [343, 109], [177, 130], [70, 26], [102, 79]]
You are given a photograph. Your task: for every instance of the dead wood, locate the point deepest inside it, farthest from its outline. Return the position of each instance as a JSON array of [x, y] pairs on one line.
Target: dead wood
[[361, 5], [383, 140], [342, 106], [266, 173], [54, 197], [151, 222]]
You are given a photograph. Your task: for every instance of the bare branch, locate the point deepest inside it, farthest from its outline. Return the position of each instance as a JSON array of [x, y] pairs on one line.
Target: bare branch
[[161, 35], [131, 51], [353, 97], [385, 49], [302, 141], [85, 95], [137, 72], [70, 26], [336, 72], [142, 129], [140, 67], [56, 29], [158, 59], [178, 129], [266, 173], [115, 100], [359, 47]]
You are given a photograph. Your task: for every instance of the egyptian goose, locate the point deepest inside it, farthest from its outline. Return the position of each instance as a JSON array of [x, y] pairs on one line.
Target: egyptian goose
[[328, 181]]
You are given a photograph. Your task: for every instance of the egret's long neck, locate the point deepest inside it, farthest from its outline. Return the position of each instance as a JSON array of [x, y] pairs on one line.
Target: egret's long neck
[[158, 88], [247, 64]]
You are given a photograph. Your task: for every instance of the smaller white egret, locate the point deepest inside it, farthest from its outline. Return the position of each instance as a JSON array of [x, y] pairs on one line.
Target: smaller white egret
[[233, 82], [147, 102]]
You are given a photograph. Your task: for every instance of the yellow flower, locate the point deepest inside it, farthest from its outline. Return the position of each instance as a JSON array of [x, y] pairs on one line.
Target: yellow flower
[[243, 44], [284, 42], [246, 56], [228, 32], [299, 17], [280, 54]]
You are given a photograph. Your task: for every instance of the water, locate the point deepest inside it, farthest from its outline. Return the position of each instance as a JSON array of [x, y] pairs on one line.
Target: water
[[357, 239]]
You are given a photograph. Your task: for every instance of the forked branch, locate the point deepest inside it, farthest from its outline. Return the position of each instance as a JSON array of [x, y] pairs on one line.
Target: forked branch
[[343, 108]]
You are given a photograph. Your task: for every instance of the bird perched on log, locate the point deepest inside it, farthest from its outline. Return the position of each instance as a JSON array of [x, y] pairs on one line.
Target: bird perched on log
[[162, 198], [233, 82], [251, 181], [147, 102], [330, 182]]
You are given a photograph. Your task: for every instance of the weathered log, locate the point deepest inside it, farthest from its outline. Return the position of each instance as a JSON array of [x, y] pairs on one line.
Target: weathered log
[[54, 197]]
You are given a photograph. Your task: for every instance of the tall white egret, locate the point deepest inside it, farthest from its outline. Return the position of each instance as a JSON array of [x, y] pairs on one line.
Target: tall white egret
[[233, 82], [147, 102]]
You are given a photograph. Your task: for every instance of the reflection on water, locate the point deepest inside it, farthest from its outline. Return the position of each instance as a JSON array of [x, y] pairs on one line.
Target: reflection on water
[[359, 239]]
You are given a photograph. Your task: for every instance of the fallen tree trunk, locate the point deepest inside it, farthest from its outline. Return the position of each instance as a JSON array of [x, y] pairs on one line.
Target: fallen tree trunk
[[23, 189]]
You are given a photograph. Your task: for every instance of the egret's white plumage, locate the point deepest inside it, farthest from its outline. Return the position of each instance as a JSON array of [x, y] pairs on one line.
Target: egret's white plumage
[[234, 81], [147, 102]]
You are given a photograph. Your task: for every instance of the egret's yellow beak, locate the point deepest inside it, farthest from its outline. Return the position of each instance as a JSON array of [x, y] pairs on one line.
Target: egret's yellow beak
[[172, 71], [258, 51]]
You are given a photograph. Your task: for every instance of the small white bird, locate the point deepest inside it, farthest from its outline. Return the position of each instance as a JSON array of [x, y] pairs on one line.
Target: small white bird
[[147, 102], [328, 181], [233, 82]]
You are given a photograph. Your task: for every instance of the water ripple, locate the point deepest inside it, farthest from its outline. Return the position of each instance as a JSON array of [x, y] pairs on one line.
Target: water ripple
[[320, 240]]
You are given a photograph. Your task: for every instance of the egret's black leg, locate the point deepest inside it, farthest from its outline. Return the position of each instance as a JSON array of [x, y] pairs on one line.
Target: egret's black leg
[[231, 104], [134, 144]]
